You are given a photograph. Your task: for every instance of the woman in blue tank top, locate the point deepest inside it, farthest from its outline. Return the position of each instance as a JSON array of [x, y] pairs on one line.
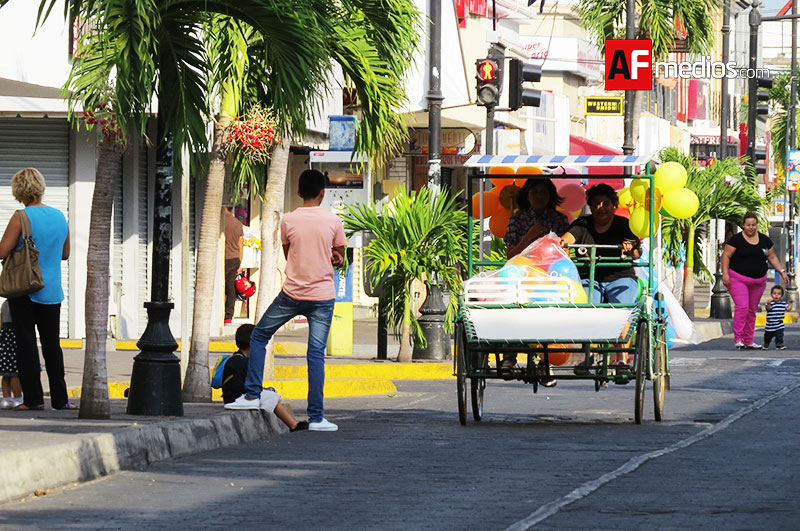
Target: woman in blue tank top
[[42, 309]]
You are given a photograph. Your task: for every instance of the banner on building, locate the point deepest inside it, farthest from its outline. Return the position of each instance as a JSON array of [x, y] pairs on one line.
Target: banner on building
[[792, 170]]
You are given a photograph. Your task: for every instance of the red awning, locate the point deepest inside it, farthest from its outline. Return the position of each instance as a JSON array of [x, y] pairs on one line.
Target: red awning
[[583, 146]]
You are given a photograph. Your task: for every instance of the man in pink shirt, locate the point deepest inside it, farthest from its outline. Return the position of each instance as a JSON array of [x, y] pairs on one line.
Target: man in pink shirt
[[313, 242]]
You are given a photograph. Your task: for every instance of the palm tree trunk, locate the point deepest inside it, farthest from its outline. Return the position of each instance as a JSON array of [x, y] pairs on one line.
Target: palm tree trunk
[[404, 354], [94, 387], [197, 386], [688, 277], [271, 210]]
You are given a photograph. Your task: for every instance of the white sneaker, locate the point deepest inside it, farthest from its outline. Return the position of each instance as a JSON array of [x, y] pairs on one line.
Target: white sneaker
[[739, 345], [753, 346], [242, 403], [322, 425], [7, 403]]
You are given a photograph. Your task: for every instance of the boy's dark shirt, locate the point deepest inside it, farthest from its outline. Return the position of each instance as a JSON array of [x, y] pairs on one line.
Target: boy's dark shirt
[[233, 377], [584, 232]]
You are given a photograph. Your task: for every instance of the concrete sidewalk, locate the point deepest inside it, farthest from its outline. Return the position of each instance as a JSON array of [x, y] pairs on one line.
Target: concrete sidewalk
[[41, 450]]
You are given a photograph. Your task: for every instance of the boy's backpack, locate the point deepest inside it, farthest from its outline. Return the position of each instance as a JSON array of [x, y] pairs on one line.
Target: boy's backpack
[[219, 369]]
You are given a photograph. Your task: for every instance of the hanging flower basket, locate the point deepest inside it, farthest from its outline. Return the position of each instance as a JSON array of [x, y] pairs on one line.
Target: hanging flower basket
[[103, 116], [253, 134]]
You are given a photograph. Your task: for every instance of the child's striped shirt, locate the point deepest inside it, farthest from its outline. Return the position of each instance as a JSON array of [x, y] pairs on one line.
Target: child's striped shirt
[[775, 315]]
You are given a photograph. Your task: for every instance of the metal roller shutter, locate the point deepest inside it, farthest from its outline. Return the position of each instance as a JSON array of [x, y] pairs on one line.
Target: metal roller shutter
[[41, 143], [144, 238], [116, 260]]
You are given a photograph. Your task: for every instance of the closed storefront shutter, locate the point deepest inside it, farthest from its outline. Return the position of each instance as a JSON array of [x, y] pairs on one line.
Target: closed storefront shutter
[[41, 143], [144, 237], [116, 259]]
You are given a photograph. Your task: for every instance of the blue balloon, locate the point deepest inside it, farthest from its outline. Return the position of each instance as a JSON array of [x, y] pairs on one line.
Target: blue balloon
[[564, 267], [511, 271]]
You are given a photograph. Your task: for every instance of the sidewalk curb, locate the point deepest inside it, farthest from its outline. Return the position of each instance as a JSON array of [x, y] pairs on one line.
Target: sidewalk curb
[[24, 471], [709, 329]]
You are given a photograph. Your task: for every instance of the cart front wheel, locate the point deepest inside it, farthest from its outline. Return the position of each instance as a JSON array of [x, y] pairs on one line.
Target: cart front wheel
[[642, 355], [461, 372], [660, 373]]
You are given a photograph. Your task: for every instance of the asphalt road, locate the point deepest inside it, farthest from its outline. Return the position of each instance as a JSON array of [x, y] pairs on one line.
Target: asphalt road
[[568, 458]]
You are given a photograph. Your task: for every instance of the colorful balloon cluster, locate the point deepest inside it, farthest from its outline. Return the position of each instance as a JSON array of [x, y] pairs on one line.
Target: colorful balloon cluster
[[501, 201], [670, 195]]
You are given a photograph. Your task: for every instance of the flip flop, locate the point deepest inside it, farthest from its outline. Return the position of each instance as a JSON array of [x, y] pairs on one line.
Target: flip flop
[[23, 407], [70, 406]]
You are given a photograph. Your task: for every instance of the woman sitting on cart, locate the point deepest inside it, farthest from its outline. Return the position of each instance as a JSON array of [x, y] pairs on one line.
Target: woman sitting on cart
[[537, 216], [603, 227]]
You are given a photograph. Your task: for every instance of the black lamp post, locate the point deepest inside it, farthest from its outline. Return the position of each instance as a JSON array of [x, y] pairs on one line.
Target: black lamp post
[[156, 377]]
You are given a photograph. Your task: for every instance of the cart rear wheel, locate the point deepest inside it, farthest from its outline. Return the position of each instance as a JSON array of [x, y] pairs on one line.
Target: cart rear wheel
[[660, 373], [642, 355], [461, 372], [477, 386]]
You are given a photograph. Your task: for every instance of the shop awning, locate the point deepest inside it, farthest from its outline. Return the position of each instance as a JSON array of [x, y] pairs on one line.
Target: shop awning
[[605, 162], [583, 146]]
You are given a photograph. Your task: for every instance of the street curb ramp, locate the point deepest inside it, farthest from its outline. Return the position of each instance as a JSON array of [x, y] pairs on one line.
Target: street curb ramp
[[24, 471]]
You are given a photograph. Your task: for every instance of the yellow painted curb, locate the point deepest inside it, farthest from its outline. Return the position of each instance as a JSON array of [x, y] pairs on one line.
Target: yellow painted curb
[[789, 318], [71, 343], [213, 346], [288, 389], [390, 371]]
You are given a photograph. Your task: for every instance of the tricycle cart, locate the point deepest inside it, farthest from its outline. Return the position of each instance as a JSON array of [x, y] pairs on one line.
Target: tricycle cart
[[492, 319]]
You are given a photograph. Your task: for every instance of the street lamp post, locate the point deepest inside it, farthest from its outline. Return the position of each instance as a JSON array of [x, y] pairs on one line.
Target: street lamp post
[[156, 376], [630, 33], [791, 139], [720, 298]]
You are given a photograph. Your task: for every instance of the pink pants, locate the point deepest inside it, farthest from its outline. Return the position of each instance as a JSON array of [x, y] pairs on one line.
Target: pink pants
[[746, 293]]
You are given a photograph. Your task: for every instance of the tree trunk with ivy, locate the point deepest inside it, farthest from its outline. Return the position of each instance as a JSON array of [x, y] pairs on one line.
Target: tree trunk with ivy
[[94, 387], [197, 384], [271, 211]]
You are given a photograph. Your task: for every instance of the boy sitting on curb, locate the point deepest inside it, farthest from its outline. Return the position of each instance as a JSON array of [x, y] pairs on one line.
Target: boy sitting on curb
[[233, 377]]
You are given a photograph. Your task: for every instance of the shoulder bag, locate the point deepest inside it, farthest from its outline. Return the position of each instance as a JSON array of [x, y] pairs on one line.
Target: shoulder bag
[[21, 272]]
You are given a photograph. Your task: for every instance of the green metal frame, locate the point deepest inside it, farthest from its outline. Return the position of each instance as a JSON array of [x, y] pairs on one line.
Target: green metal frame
[[542, 347]]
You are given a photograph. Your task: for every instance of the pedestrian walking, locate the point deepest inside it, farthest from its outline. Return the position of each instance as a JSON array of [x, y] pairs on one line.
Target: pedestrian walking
[[776, 313], [9, 375], [235, 373], [313, 242], [744, 273], [234, 246], [41, 310]]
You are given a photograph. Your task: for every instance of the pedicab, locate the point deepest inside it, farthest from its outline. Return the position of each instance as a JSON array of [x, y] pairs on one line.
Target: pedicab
[[550, 318]]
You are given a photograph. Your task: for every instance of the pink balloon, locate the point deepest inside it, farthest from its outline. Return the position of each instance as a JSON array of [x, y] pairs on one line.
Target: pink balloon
[[574, 196]]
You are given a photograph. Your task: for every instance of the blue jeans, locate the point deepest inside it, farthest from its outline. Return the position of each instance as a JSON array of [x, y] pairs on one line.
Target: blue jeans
[[283, 309], [621, 291]]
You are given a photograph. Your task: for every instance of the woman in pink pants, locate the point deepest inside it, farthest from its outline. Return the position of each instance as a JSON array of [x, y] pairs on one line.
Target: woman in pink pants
[[744, 273]]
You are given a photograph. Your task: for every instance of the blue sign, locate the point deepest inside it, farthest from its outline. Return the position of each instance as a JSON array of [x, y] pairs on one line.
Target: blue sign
[[343, 282], [793, 170]]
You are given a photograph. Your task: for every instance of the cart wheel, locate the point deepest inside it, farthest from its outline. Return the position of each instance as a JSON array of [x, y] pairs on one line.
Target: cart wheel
[[461, 372], [659, 373], [642, 355], [477, 386]]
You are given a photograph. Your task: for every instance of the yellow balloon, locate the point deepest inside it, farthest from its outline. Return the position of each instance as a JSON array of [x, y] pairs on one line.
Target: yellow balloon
[[625, 198], [681, 203], [670, 176], [640, 222], [638, 189], [579, 296]]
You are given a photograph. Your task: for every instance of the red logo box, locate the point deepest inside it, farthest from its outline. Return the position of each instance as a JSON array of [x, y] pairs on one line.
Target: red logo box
[[629, 64]]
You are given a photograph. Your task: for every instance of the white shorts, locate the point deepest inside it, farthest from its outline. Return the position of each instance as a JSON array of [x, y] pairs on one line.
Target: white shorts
[[269, 400]]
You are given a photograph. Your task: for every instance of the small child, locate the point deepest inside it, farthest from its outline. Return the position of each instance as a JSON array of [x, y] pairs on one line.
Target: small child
[[776, 311], [8, 361], [235, 372]]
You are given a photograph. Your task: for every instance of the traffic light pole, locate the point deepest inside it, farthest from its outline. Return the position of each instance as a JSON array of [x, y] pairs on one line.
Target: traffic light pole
[[630, 33], [791, 141], [752, 88], [435, 98]]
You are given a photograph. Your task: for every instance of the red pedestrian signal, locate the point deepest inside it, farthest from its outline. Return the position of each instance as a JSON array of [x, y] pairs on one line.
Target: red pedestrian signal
[[489, 78]]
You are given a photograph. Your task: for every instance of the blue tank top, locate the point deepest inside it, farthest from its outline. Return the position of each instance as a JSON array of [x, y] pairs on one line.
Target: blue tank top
[[49, 229]]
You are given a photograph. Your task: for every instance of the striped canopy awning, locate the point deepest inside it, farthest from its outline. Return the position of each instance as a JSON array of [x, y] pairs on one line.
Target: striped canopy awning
[[557, 160]]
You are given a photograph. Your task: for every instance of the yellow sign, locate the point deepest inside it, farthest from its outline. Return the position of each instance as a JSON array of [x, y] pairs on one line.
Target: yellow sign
[[603, 105]]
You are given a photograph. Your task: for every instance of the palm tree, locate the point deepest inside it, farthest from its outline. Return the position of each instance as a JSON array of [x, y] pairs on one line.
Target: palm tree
[[657, 20], [420, 236], [372, 45], [725, 191]]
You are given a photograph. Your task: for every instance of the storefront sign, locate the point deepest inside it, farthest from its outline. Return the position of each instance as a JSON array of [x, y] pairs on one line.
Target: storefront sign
[[564, 54], [793, 170], [456, 140], [603, 106]]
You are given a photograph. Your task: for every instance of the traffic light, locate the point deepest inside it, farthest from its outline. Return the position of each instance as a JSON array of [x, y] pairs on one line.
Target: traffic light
[[763, 84], [760, 161], [519, 96], [489, 81]]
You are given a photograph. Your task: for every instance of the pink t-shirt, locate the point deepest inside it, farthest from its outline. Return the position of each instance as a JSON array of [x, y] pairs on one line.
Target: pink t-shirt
[[311, 232]]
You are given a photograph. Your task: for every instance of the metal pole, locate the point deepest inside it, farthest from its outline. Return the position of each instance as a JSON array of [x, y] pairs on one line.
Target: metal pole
[[755, 21], [720, 298], [791, 141], [435, 97], [630, 33]]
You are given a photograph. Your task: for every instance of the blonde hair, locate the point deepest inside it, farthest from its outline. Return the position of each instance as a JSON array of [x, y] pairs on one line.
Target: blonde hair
[[27, 186]]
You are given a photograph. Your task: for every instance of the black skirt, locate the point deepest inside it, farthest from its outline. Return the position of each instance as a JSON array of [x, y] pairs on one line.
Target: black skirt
[[8, 351]]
